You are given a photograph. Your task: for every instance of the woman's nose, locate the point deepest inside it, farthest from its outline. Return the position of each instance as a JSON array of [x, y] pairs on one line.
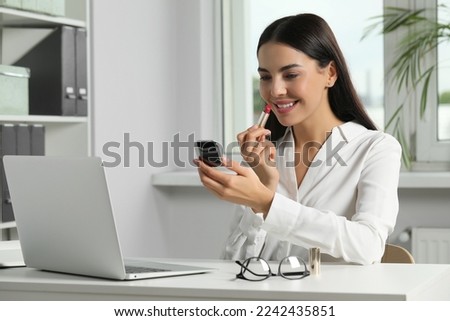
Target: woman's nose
[[278, 88]]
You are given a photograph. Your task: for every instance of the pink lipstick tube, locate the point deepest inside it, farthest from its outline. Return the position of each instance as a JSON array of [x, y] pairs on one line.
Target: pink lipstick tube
[[264, 116]]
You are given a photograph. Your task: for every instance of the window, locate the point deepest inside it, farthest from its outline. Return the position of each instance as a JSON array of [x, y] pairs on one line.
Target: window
[[367, 60], [429, 134], [444, 76]]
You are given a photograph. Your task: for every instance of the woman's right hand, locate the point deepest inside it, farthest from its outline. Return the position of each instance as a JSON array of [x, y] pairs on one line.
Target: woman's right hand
[[260, 154]]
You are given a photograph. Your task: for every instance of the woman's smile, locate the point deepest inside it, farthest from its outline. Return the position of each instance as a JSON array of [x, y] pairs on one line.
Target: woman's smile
[[285, 107]]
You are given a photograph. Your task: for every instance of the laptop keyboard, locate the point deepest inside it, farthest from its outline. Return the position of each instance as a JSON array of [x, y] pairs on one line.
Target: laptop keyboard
[[142, 269]]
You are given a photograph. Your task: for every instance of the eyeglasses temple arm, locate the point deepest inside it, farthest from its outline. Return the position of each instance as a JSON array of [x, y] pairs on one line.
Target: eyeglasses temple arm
[[247, 269]]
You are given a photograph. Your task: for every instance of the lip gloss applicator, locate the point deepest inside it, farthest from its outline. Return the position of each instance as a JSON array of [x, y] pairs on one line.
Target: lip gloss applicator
[[264, 116]]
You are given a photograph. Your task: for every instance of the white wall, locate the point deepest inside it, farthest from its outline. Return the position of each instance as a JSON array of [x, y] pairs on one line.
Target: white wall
[[134, 91], [422, 208], [151, 77], [152, 66]]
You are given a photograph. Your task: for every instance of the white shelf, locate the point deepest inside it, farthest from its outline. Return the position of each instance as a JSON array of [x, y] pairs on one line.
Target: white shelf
[[41, 119], [408, 180], [64, 135], [20, 18], [4, 226]]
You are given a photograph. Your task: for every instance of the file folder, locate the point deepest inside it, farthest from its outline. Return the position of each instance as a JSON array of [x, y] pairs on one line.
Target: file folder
[[23, 139], [81, 71], [37, 140], [8, 147], [53, 71]]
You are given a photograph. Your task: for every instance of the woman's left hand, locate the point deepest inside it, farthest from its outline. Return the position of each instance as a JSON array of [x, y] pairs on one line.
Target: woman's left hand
[[244, 188]]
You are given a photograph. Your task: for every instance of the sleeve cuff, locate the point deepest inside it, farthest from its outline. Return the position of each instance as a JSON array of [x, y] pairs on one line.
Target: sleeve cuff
[[251, 220], [283, 215]]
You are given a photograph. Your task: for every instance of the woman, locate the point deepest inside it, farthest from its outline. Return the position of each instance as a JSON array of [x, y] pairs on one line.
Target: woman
[[330, 181]]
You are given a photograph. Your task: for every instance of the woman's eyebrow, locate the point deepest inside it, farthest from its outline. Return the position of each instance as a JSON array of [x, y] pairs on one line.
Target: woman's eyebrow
[[284, 68]]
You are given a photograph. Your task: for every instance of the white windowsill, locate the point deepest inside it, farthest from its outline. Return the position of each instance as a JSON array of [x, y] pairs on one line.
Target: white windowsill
[[407, 179], [424, 180]]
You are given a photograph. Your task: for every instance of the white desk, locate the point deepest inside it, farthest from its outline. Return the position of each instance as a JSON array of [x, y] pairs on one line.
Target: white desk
[[336, 282]]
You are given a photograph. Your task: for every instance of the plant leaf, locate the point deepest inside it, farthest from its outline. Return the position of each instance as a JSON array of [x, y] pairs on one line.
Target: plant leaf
[[406, 155], [424, 95], [394, 117]]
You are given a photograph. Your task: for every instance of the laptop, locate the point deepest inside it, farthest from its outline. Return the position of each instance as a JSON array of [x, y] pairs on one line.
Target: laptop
[[65, 220]]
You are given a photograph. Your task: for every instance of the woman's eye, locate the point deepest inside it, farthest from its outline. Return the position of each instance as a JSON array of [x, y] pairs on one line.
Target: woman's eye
[[264, 78], [291, 76]]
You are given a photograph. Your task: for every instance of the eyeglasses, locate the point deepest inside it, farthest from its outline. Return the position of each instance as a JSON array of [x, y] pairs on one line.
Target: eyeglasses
[[257, 269]]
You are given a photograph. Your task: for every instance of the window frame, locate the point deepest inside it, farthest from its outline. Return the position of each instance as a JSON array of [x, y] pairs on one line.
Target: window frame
[[429, 148], [236, 59], [428, 152]]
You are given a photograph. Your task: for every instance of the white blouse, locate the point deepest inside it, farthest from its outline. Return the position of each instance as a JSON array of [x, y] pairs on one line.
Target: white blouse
[[346, 205]]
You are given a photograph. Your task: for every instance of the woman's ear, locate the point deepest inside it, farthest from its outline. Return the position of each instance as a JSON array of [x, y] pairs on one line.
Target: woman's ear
[[331, 74]]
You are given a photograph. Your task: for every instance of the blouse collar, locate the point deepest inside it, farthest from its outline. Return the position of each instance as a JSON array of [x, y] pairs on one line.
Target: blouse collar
[[348, 131]]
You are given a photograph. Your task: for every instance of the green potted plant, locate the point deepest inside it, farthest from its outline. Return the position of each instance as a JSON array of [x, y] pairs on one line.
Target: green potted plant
[[421, 35]]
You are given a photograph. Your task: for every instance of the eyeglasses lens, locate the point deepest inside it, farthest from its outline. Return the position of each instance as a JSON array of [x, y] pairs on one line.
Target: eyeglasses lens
[[292, 267], [255, 269]]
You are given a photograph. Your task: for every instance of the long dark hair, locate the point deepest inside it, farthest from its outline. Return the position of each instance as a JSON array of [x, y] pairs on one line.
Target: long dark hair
[[311, 35]]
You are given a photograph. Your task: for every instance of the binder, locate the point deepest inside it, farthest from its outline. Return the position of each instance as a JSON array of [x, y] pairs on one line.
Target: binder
[[52, 81], [23, 139], [8, 146], [37, 139], [81, 71]]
